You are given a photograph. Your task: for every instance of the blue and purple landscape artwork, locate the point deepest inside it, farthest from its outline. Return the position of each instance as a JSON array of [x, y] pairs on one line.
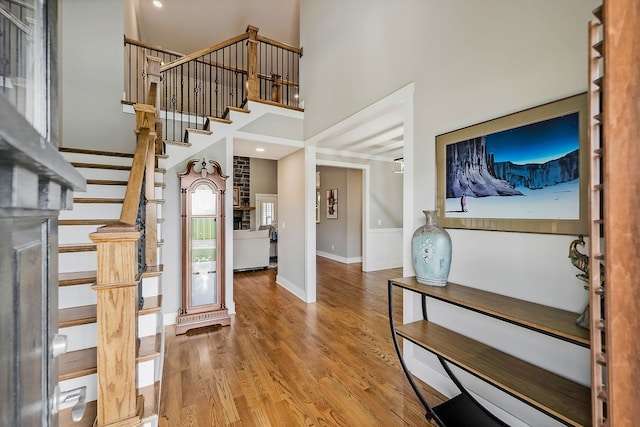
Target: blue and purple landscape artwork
[[528, 172]]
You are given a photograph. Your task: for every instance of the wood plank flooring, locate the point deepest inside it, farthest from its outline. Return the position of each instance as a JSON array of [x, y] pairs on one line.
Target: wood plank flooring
[[286, 363]]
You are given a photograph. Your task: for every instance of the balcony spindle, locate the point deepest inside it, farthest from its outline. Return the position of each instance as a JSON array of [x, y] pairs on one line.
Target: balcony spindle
[[253, 87]]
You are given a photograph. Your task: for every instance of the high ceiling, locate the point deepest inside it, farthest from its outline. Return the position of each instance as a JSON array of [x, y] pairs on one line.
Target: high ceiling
[[189, 25]]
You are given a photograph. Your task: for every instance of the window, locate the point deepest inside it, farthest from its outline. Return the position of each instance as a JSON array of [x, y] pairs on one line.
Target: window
[[267, 209]]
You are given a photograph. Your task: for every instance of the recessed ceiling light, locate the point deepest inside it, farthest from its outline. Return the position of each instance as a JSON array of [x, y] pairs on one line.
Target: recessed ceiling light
[[260, 149], [156, 3]]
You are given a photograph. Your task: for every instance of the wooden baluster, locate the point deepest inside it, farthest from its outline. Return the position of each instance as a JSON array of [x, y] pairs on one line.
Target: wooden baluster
[[117, 325], [276, 88], [153, 97], [253, 86]]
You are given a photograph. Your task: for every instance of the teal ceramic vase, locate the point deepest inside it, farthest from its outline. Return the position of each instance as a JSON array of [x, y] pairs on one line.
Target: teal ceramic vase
[[431, 252]]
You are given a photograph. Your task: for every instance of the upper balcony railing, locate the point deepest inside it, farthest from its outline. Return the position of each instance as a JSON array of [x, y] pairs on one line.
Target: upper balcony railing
[[204, 84]]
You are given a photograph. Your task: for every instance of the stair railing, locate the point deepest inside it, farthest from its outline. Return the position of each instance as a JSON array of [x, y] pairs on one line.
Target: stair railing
[[118, 273], [206, 83]]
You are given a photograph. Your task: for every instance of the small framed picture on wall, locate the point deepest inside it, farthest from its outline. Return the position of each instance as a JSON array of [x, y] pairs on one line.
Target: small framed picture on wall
[[236, 196], [332, 203]]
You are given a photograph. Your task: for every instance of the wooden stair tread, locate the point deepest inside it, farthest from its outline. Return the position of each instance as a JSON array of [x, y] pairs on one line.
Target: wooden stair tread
[[86, 314], [238, 109], [93, 221], [94, 152], [149, 348], [154, 271], [151, 398], [218, 120], [151, 395], [151, 305], [199, 131], [117, 182], [76, 278], [547, 320], [76, 247], [557, 396], [90, 414], [97, 200], [74, 364], [110, 167], [103, 153], [75, 316], [177, 143]]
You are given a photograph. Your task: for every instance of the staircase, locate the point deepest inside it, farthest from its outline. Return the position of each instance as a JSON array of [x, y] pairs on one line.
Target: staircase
[[107, 175], [114, 351]]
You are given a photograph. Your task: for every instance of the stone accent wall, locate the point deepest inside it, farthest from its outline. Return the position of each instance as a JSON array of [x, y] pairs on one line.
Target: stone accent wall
[[241, 175]]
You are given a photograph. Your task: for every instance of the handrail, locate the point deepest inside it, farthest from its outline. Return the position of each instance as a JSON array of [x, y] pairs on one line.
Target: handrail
[[281, 45], [202, 52], [205, 83], [138, 43]]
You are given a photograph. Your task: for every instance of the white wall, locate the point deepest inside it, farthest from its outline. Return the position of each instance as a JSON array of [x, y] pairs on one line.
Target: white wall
[[354, 214], [92, 81], [385, 193], [291, 224], [470, 61], [263, 180], [131, 28]]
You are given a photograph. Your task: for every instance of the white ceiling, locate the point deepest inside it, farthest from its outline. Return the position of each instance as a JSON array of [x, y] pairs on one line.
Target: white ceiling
[[189, 25]]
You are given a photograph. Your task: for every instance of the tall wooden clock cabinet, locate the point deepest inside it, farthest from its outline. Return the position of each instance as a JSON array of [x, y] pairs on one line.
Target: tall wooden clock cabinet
[[202, 187]]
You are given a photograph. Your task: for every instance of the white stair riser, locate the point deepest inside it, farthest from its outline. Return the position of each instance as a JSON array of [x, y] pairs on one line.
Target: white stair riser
[[90, 381], [80, 233], [95, 158], [81, 336], [77, 261], [149, 324], [150, 286], [93, 211], [76, 234], [147, 373], [78, 295], [103, 191], [96, 173], [159, 191], [86, 336]]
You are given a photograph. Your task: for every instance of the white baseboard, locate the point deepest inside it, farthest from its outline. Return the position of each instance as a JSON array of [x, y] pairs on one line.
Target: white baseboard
[[170, 318], [339, 258], [291, 287]]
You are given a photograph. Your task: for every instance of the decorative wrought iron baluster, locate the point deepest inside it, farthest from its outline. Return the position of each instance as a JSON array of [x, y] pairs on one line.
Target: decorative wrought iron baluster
[[140, 222]]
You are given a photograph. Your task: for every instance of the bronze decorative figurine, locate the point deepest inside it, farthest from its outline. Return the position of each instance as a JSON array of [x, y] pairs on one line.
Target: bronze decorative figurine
[[581, 262]]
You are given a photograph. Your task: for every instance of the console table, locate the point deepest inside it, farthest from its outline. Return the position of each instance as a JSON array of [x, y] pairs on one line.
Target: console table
[[556, 396]]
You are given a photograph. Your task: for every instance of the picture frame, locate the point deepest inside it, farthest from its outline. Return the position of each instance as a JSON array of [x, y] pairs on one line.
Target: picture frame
[[524, 172], [332, 203], [236, 196], [317, 207]]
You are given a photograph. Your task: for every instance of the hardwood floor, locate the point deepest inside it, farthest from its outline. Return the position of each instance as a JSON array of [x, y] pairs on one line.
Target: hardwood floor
[[286, 363]]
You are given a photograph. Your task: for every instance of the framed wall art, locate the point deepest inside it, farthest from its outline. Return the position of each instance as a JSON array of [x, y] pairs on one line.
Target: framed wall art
[[236, 196], [332, 203], [524, 172]]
